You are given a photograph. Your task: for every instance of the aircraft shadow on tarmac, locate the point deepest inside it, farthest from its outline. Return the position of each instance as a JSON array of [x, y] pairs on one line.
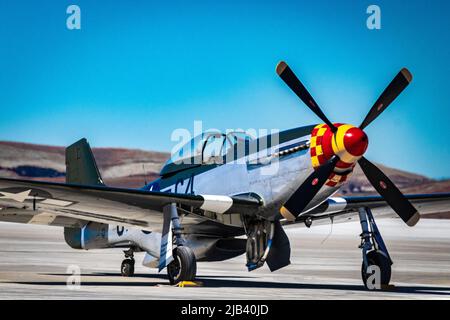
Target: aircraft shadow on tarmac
[[233, 282]]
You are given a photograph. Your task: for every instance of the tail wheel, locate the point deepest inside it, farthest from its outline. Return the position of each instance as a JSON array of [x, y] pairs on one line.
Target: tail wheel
[[379, 259], [183, 267], [127, 268]]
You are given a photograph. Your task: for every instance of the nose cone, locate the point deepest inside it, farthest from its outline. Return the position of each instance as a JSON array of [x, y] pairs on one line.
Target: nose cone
[[355, 141]]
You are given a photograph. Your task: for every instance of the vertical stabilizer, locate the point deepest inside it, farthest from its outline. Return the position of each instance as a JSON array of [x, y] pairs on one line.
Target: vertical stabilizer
[[80, 165]]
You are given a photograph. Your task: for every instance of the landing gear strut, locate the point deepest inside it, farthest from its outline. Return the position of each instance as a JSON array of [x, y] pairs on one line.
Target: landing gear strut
[[184, 264], [376, 265], [260, 234], [127, 267]]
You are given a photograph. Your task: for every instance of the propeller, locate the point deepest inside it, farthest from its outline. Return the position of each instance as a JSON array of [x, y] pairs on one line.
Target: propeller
[[387, 189], [309, 188], [400, 82], [355, 141], [299, 89]]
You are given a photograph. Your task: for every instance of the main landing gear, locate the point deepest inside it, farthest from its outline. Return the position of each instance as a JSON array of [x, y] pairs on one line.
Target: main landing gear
[[376, 265], [127, 267], [183, 267]]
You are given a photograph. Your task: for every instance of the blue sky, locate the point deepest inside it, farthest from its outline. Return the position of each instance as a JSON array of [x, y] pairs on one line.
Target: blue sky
[[137, 70]]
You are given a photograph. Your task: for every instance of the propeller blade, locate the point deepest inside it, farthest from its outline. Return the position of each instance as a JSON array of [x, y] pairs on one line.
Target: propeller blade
[[400, 82], [387, 189], [307, 190], [299, 89]]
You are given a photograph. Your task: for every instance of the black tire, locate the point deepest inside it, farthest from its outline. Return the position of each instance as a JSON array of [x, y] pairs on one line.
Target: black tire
[[183, 267], [379, 259], [127, 268]]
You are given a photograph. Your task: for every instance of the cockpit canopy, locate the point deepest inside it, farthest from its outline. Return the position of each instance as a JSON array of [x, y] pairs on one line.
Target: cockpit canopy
[[206, 148]]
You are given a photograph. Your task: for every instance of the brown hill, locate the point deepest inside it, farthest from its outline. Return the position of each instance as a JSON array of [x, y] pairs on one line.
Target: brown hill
[[405, 181], [125, 168], [118, 166]]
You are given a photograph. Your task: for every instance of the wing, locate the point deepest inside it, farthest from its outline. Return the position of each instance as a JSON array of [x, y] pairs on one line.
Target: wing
[[345, 208], [73, 205]]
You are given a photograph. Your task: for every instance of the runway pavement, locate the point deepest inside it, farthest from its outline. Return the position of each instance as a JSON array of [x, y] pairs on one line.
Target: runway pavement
[[34, 261]]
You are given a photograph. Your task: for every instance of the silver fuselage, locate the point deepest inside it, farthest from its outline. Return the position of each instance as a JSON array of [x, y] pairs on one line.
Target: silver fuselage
[[274, 181]]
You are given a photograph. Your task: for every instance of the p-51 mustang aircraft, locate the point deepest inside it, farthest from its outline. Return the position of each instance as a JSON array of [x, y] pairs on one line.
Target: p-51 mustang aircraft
[[207, 199]]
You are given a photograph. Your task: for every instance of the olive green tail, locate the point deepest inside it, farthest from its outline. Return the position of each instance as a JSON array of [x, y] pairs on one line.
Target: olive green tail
[[81, 167]]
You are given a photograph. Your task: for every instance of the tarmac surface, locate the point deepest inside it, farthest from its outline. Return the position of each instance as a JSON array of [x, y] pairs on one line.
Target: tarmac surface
[[35, 263]]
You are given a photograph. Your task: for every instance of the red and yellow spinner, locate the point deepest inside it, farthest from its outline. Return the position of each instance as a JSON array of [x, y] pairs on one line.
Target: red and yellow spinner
[[324, 145]]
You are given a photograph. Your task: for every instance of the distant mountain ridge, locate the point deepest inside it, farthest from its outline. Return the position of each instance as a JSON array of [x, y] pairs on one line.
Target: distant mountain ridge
[[118, 166], [131, 168]]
